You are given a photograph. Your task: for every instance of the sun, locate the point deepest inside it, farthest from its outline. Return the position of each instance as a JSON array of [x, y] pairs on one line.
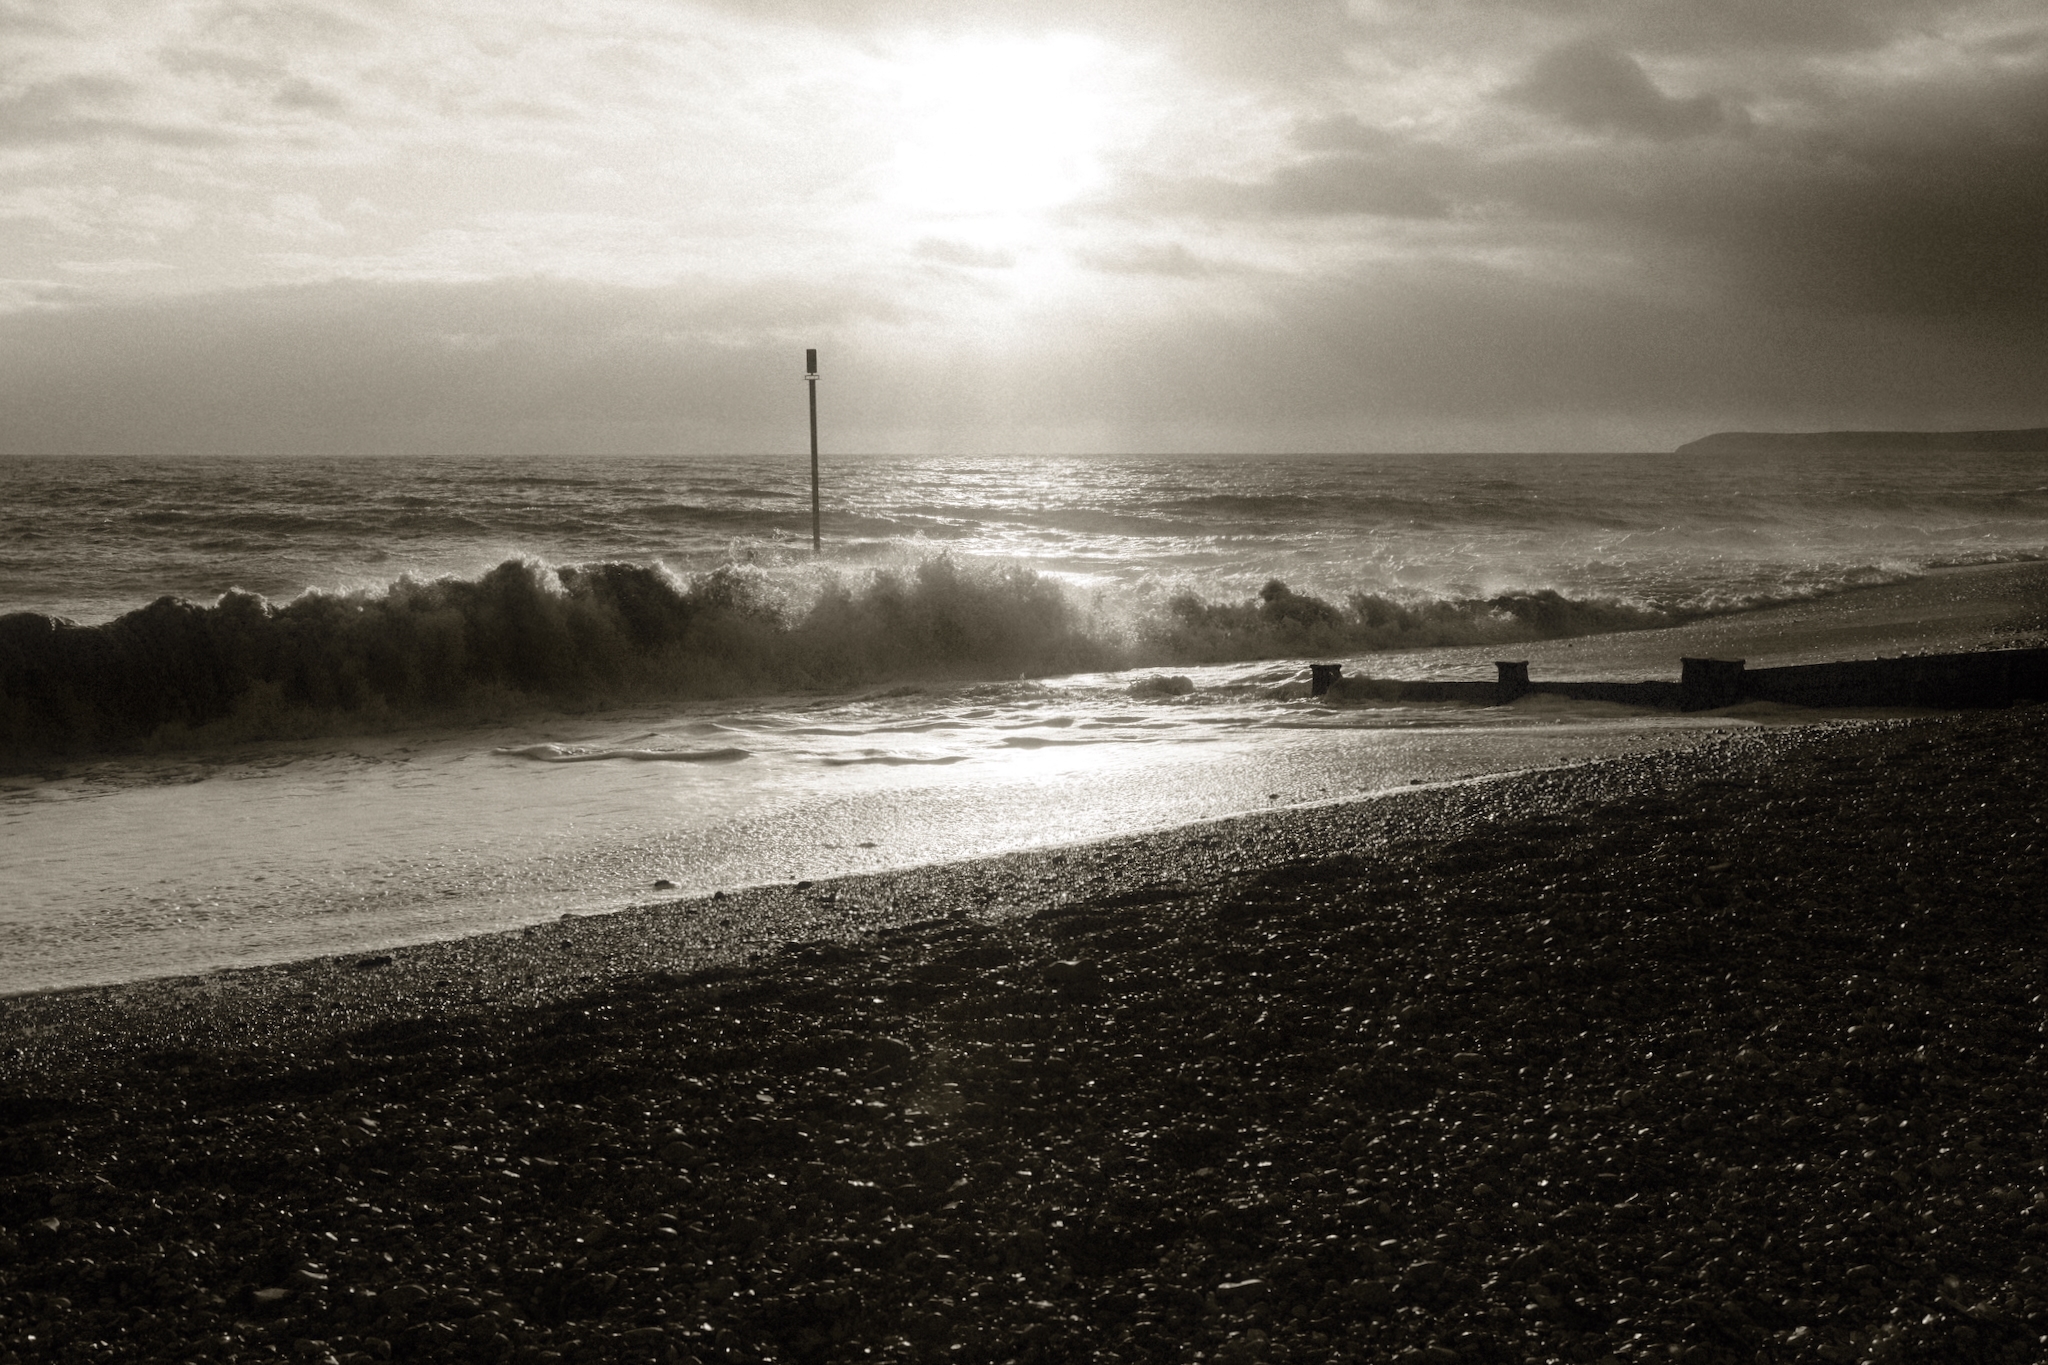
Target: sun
[[995, 131]]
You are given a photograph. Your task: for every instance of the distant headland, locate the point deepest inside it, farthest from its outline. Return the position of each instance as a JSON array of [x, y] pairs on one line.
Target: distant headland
[[2031, 439]]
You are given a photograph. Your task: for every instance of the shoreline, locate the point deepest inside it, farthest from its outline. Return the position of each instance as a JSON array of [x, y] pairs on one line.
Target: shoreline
[[741, 925], [713, 924], [664, 934], [1937, 608], [1716, 1054], [204, 913]]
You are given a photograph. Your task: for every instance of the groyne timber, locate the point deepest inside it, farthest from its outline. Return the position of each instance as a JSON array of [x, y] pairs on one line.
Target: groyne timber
[[1982, 678]]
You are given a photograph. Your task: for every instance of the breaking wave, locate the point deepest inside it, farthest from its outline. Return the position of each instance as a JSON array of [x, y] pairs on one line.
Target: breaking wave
[[529, 634]]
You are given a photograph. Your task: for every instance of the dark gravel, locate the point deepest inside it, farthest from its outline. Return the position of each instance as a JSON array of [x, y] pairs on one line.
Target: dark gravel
[[1725, 1056]]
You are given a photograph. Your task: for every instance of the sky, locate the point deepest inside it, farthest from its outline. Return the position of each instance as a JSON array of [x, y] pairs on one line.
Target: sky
[[331, 227]]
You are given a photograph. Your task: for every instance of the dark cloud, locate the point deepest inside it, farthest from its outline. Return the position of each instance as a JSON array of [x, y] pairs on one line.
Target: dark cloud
[[14, 20], [1354, 168], [2027, 46], [1347, 167], [1593, 86], [91, 108], [1355, 184], [298, 93], [1811, 27], [1923, 199], [1727, 27], [1148, 258], [1916, 195]]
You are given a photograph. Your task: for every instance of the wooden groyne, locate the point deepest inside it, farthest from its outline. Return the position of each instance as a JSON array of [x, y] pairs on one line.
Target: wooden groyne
[[1939, 681]]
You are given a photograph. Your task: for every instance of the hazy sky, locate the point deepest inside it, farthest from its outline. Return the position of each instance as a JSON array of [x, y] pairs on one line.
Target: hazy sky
[[444, 225]]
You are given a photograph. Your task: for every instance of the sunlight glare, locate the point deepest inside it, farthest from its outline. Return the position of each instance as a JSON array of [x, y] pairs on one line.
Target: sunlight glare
[[999, 128]]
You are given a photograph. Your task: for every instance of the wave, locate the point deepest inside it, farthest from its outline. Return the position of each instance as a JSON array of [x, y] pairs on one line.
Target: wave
[[1041, 742], [564, 753], [695, 514], [242, 519], [522, 634], [894, 761], [528, 635], [1282, 623]]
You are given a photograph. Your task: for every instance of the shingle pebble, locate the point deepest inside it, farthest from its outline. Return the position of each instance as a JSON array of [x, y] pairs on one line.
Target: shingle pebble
[[1726, 1056]]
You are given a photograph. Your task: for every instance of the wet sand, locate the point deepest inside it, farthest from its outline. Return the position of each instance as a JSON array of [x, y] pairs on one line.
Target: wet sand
[[1730, 1054]]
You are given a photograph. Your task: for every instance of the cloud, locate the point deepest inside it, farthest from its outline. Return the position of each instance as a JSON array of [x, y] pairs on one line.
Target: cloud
[[298, 93], [98, 211], [1172, 259], [1357, 169], [116, 265], [1917, 196], [1391, 180], [1277, 45], [1812, 28], [1746, 30], [943, 252], [91, 107], [23, 296], [1591, 85], [19, 20], [295, 216], [1903, 184]]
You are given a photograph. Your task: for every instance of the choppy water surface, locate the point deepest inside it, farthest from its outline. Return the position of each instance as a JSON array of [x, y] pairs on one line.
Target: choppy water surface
[[90, 539]]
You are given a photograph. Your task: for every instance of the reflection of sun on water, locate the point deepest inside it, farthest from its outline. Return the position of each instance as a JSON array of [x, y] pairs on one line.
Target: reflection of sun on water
[[999, 131]]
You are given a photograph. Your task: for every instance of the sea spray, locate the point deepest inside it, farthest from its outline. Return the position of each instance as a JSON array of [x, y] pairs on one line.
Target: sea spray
[[526, 634], [522, 634], [1286, 624]]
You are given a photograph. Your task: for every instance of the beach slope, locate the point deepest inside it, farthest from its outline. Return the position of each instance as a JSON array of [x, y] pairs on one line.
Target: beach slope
[[1728, 1054]]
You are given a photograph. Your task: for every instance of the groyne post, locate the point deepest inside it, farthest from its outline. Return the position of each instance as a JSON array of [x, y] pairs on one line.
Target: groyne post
[[811, 380], [1322, 676], [1511, 680], [1704, 684]]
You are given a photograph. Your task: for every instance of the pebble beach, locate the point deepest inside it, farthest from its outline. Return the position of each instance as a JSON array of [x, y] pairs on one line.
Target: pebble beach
[[1724, 1054]]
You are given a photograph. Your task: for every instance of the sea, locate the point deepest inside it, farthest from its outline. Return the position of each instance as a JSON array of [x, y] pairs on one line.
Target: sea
[[253, 710]]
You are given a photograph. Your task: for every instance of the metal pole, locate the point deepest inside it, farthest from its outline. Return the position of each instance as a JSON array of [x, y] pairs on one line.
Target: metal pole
[[811, 379]]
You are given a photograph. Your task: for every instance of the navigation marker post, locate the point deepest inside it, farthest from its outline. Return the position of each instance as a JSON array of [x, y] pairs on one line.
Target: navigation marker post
[[811, 379]]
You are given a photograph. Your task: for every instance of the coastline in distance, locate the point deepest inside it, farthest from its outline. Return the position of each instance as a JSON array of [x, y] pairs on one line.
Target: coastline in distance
[[2029, 440]]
